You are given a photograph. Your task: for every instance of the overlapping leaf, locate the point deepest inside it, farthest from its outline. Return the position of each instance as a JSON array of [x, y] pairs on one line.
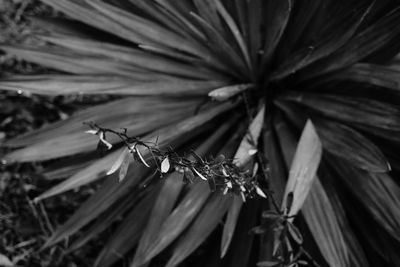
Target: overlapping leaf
[[355, 111], [328, 234], [179, 51], [378, 192]]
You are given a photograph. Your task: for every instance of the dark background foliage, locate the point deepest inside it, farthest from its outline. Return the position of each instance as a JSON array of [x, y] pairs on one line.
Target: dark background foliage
[[25, 226]]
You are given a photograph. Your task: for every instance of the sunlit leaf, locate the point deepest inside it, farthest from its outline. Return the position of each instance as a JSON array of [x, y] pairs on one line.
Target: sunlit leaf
[[303, 168]]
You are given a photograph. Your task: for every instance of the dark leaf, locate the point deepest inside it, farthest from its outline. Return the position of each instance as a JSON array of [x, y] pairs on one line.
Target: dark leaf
[[344, 142], [377, 191], [336, 38], [211, 184], [359, 47], [351, 110], [230, 223]]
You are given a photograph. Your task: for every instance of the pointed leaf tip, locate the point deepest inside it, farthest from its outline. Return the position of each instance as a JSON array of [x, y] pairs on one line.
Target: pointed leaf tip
[[199, 174], [117, 164], [303, 169]]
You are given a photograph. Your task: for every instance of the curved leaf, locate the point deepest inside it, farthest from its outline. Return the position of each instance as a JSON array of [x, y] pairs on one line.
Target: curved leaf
[[377, 191], [351, 110], [344, 142]]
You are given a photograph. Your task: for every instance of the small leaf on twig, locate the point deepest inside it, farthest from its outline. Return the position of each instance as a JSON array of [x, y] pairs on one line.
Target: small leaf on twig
[[199, 174], [141, 158], [119, 161], [165, 165]]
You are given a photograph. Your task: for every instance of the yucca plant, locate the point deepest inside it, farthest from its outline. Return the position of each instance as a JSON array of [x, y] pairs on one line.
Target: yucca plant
[[238, 78]]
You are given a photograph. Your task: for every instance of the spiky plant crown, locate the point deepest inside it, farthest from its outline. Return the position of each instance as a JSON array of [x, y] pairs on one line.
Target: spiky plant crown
[[206, 75]]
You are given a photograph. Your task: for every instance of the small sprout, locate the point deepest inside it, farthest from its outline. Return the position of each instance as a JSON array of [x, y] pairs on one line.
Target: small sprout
[[103, 140], [260, 192], [225, 190], [199, 174], [252, 152], [224, 172], [242, 188], [117, 164], [229, 184], [165, 165], [243, 196], [102, 148], [94, 132], [255, 169], [141, 157]]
